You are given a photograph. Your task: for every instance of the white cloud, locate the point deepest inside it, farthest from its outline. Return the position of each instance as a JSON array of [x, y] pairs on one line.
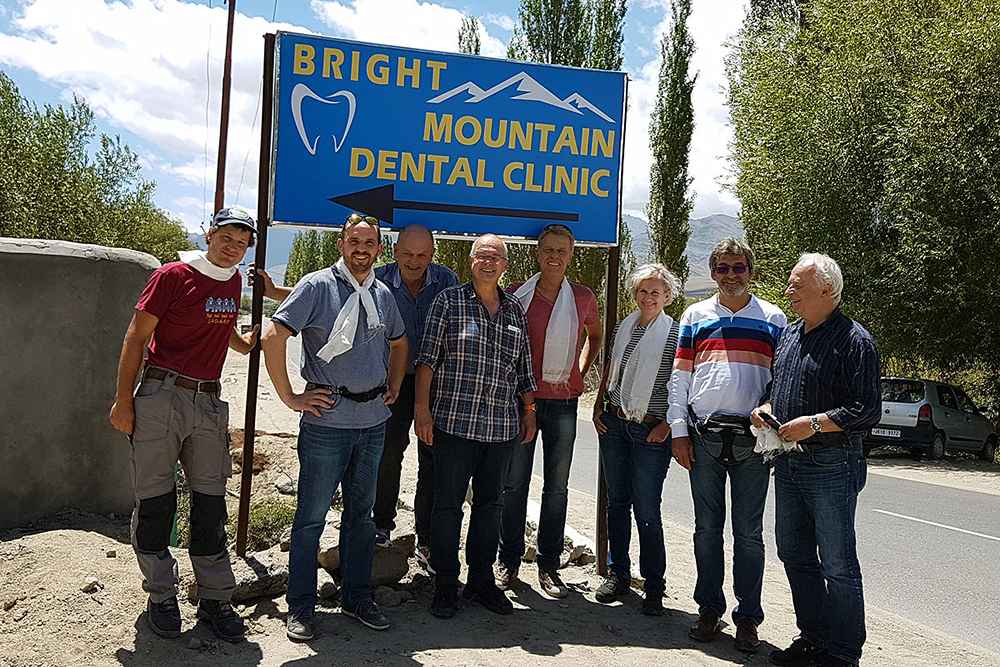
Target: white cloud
[[501, 21]]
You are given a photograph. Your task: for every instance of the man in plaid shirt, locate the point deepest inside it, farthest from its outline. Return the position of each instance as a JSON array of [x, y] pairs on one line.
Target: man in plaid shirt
[[474, 366]]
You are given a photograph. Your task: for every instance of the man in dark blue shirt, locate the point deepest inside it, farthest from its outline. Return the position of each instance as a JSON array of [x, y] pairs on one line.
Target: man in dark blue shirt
[[825, 391], [414, 281]]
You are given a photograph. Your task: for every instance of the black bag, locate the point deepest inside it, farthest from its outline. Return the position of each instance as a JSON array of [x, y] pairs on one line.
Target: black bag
[[726, 437]]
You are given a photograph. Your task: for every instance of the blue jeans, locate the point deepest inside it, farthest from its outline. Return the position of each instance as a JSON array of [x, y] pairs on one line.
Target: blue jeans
[[748, 481], [634, 471], [556, 421], [456, 461], [816, 494], [329, 457]]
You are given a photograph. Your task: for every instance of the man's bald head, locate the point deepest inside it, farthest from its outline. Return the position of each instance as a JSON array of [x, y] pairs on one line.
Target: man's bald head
[[414, 251], [493, 242]]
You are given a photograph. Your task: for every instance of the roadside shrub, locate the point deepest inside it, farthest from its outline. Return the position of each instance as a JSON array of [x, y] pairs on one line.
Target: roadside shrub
[[268, 520]]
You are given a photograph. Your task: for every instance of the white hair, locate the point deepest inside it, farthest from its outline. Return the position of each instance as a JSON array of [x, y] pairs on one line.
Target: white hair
[[827, 272], [657, 271]]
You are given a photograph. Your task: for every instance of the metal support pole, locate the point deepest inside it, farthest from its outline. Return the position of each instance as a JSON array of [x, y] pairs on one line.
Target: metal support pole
[[610, 319], [257, 311], [227, 82]]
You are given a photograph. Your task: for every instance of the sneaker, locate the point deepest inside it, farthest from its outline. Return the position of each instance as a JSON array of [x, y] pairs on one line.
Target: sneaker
[[164, 617], [424, 558], [369, 614], [382, 538], [709, 624], [445, 600], [611, 588], [225, 622], [489, 596], [506, 576], [299, 625], [800, 654], [746, 636], [552, 584], [652, 603]]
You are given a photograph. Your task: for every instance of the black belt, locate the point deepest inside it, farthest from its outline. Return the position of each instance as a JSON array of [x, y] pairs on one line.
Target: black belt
[[618, 412], [362, 397], [203, 386]]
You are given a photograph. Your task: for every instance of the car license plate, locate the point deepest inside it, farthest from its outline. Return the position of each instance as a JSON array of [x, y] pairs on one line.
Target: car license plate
[[886, 432]]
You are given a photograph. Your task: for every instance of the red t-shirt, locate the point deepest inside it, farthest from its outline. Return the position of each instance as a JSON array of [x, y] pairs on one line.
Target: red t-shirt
[[196, 314], [538, 320]]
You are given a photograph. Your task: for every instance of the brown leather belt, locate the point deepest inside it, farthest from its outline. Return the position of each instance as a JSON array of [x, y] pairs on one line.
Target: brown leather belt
[[648, 419], [203, 386]]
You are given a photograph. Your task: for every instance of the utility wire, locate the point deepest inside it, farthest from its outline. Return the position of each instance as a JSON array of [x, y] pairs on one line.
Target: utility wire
[[256, 113], [208, 97]]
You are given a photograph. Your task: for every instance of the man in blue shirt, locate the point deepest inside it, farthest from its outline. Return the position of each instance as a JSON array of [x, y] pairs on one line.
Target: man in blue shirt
[[414, 281], [826, 393]]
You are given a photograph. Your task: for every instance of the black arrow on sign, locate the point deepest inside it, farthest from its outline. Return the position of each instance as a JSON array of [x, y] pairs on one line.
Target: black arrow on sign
[[380, 203]]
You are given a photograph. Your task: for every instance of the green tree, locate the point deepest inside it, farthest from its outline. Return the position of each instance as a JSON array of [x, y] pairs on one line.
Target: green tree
[[51, 188], [670, 129], [468, 36], [867, 130]]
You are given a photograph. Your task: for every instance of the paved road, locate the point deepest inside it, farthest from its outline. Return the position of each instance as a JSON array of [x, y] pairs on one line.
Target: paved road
[[930, 553]]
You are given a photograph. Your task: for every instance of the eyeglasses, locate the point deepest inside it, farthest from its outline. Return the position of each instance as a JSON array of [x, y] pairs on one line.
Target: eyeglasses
[[489, 259], [723, 269], [357, 219]]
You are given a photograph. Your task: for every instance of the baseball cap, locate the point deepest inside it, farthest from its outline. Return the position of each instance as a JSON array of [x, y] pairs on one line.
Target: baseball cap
[[234, 215]]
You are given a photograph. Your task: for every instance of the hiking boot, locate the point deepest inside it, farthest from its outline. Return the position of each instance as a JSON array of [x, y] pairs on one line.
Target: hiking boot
[[382, 538], [652, 604], [746, 636], [489, 596], [299, 625], [445, 600], [368, 613], [423, 555], [225, 622], [706, 628], [552, 584], [800, 654], [164, 617], [611, 588], [506, 576]]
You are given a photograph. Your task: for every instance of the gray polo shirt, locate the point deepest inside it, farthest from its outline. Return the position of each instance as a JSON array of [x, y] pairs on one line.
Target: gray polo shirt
[[311, 309]]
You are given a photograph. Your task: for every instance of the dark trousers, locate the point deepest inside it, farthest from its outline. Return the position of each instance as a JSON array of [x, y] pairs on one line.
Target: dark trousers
[[397, 437], [457, 460]]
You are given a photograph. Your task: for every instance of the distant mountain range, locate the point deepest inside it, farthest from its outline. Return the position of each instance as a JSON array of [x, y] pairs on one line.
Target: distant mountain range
[[705, 233]]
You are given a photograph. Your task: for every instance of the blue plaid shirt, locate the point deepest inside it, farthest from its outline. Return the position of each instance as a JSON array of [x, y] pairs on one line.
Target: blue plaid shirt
[[832, 368], [481, 364]]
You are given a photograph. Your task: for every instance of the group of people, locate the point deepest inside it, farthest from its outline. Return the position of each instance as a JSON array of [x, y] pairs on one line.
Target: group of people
[[480, 372]]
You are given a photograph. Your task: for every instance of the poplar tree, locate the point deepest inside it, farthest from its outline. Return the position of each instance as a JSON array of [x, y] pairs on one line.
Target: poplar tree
[[670, 129]]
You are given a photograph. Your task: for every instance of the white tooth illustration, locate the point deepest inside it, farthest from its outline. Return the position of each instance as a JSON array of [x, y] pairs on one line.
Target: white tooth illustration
[[301, 92]]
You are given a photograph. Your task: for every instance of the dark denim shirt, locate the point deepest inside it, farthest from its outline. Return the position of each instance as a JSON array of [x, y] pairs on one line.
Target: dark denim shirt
[[414, 311], [833, 368]]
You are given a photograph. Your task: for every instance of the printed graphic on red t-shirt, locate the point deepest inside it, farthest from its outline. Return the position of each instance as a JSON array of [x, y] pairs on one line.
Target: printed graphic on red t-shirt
[[196, 318]]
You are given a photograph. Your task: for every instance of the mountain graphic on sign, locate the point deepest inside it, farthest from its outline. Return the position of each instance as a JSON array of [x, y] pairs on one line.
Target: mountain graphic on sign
[[528, 89]]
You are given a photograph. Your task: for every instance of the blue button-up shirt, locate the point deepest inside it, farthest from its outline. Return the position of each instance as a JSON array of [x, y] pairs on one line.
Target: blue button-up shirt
[[414, 310], [832, 368]]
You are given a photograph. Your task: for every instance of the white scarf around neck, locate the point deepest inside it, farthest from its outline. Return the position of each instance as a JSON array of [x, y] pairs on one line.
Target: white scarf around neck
[[561, 333], [640, 371], [198, 260], [342, 335]]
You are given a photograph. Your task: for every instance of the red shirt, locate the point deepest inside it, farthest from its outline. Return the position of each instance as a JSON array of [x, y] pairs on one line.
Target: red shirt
[[538, 321], [196, 314]]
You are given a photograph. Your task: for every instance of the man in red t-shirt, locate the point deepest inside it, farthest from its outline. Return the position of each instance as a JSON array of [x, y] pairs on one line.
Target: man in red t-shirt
[[188, 312], [560, 314]]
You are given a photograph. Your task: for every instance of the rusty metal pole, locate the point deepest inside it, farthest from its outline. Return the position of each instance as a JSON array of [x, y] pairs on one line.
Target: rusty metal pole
[[610, 319], [257, 310], [227, 82]]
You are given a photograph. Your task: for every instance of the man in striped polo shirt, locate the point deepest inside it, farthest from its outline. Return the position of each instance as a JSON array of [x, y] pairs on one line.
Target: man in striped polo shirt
[[721, 370]]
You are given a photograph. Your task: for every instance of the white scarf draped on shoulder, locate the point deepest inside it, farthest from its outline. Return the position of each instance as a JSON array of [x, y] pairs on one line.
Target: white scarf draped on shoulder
[[561, 333], [342, 335], [644, 363], [198, 261]]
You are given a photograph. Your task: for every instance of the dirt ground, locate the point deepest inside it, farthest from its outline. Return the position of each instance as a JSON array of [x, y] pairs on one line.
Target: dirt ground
[[46, 619]]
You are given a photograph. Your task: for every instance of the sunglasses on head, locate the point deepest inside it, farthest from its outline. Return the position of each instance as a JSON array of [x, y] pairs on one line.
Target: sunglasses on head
[[723, 269], [357, 219]]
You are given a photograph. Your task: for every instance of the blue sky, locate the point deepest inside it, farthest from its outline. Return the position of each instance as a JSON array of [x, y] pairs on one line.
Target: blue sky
[[152, 69]]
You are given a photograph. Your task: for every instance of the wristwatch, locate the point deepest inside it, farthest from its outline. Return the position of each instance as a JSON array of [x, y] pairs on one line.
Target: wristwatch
[[814, 423]]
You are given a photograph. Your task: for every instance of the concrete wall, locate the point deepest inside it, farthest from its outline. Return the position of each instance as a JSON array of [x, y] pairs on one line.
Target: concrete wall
[[64, 308]]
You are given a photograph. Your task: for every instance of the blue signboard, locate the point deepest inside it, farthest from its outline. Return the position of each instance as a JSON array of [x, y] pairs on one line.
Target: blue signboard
[[460, 144]]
